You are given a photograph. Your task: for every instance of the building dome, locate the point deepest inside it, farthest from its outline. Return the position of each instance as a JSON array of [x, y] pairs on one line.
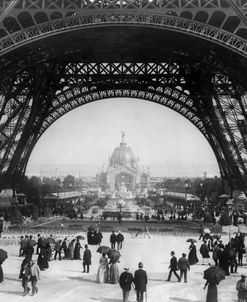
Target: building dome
[[123, 156]]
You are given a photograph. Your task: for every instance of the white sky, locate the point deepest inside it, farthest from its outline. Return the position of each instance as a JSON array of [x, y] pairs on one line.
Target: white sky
[[81, 141]]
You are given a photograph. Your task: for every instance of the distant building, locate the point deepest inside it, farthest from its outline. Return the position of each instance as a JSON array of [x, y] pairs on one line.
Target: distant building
[[123, 173]]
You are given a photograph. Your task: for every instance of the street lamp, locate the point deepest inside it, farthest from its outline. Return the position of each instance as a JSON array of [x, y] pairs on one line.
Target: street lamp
[[186, 185], [201, 186]]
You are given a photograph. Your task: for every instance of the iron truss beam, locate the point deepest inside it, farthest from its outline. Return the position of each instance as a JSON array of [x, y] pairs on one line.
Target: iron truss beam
[[150, 19], [35, 98]]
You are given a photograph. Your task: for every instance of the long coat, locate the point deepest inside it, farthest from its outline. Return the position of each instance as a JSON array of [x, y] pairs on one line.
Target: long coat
[[204, 250], [113, 238], [173, 263], [140, 280], [87, 257], [192, 257], [183, 263], [125, 281]]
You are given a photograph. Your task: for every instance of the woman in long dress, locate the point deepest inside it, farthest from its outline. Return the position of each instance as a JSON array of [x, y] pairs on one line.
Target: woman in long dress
[[114, 272], [102, 274], [212, 293], [77, 254], [192, 257], [71, 249], [43, 259]]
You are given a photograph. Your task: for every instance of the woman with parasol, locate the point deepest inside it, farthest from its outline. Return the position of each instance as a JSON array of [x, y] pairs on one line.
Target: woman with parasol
[[114, 271], [212, 294], [192, 257], [114, 255], [102, 274], [213, 275], [78, 247]]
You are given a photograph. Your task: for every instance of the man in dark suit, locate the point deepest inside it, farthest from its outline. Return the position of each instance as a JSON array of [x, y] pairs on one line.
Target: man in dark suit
[[86, 259], [183, 265], [140, 280], [125, 281], [113, 240], [173, 267]]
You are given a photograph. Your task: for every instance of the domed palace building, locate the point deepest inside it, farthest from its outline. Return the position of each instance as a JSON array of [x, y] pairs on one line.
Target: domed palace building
[[123, 175]]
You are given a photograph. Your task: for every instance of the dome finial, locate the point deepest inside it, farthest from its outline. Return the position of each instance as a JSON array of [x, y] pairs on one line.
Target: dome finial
[[123, 135]]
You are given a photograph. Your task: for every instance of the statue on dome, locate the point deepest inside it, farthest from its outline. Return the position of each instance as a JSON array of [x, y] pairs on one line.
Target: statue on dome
[[123, 135]]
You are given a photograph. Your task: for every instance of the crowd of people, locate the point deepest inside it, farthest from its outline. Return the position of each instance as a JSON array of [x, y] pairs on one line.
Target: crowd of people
[[228, 257]]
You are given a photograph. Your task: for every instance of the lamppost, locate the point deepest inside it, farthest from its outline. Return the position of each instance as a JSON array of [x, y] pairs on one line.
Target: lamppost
[[186, 185], [201, 188]]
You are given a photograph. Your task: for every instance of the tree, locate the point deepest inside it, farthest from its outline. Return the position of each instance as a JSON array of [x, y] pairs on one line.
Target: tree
[[35, 214], [47, 212], [225, 219], [16, 217], [69, 181], [33, 189]]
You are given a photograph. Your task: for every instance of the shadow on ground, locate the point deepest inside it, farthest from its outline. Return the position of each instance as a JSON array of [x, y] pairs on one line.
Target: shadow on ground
[[11, 292], [184, 300], [101, 299], [81, 279]]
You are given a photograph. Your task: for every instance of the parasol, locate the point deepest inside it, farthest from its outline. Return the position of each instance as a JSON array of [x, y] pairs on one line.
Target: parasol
[[3, 255], [113, 255], [207, 231], [80, 237], [214, 274], [191, 240], [103, 249]]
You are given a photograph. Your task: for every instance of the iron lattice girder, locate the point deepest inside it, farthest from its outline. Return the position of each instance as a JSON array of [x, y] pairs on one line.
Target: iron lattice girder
[[79, 83], [225, 15], [112, 18]]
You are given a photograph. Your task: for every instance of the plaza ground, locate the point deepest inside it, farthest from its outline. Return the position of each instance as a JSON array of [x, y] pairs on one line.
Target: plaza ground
[[64, 280]]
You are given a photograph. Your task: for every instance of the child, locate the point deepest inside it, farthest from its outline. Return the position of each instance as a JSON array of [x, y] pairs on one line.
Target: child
[[25, 274], [34, 277]]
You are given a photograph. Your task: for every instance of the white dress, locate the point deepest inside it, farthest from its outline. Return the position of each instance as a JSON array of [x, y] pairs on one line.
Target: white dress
[[102, 274]]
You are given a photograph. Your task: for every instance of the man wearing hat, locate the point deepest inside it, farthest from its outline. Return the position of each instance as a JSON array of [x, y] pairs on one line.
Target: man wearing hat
[[125, 281], [140, 280], [242, 289], [183, 266], [173, 267]]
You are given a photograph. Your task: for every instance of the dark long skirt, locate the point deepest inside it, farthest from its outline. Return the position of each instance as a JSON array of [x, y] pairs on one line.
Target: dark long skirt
[[212, 294], [42, 261], [1, 274], [77, 254], [192, 257]]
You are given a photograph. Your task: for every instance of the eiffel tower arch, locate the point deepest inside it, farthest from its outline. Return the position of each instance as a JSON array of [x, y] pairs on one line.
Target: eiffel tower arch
[[188, 55]]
